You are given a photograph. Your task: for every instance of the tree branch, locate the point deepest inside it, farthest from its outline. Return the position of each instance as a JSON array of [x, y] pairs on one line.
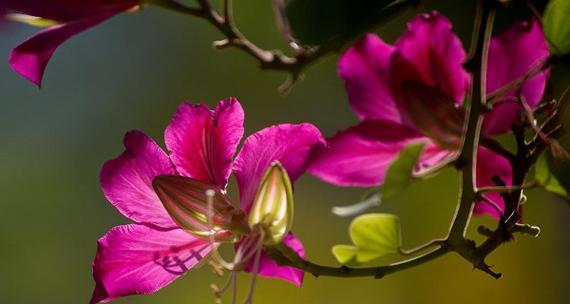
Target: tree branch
[[271, 59]]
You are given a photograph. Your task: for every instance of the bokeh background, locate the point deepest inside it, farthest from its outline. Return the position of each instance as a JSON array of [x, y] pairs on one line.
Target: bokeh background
[[131, 73]]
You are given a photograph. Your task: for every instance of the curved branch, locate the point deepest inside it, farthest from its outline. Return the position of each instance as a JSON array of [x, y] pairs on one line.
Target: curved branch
[[285, 256]]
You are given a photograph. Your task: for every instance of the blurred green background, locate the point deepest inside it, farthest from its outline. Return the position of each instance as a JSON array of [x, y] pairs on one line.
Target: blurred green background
[[131, 73]]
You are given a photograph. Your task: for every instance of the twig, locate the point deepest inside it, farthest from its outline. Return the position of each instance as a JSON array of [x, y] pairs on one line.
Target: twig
[[285, 256], [271, 59]]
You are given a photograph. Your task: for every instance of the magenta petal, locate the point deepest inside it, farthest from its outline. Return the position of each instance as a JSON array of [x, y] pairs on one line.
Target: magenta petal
[[30, 58], [270, 269], [288, 144], [66, 10], [511, 55], [365, 69], [127, 180], [490, 164], [361, 155], [203, 142], [136, 259], [436, 53]]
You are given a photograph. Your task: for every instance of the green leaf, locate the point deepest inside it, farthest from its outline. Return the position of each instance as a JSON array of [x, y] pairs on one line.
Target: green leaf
[[400, 171], [314, 22], [546, 179], [373, 235], [557, 26]]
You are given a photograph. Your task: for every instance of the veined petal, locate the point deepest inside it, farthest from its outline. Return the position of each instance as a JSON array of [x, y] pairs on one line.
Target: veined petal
[[30, 58], [511, 55], [136, 259], [361, 155], [202, 142], [288, 144], [433, 113], [127, 180], [490, 164], [365, 68], [270, 269], [436, 53]]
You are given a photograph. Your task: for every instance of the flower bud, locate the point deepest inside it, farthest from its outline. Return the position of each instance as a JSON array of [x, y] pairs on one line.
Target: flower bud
[[272, 208], [186, 201]]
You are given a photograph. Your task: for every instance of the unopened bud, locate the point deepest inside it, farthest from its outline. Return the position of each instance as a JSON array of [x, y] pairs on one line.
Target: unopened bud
[[186, 200], [273, 205]]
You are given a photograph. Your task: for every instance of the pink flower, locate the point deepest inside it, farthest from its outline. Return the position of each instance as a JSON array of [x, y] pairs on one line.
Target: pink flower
[[143, 257], [413, 91], [30, 58]]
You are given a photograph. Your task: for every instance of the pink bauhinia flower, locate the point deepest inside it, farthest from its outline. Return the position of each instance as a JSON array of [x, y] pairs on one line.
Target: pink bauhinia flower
[[413, 91], [30, 58], [143, 257]]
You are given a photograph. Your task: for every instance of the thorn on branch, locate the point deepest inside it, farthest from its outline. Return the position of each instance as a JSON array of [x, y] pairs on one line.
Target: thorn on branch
[[485, 231], [487, 269]]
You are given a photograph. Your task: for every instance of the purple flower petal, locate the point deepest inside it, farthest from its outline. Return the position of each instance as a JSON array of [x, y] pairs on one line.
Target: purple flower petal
[[203, 142], [289, 144], [30, 58], [270, 269], [66, 10], [489, 165], [511, 55], [436, 54], [127, 180], [361, 155], [136, 259], [365, 69]]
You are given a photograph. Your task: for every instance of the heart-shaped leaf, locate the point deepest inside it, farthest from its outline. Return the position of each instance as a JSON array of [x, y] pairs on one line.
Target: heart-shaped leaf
[[546, 179], [373, 235], [315, 22], [557, 26]]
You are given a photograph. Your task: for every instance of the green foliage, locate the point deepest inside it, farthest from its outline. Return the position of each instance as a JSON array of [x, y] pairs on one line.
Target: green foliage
[[557, 25], [546, 179], [373, 235], [399, 174], [314, 22]]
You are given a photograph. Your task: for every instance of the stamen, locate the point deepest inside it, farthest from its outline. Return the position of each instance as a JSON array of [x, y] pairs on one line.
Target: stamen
[[255, 270], [215, 253]]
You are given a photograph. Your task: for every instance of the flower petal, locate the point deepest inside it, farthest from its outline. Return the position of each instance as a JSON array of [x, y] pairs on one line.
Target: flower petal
[[436, 53], [66, 10], [270, 269], [30, 58], [490, 164], [127, 180], [511, 55], [286, 143], [361, 155], [365, 69], [136, 259], [203, 142]]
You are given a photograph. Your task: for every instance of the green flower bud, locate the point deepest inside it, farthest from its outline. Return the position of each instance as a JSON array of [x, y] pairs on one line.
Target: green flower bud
[[272, 208]]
